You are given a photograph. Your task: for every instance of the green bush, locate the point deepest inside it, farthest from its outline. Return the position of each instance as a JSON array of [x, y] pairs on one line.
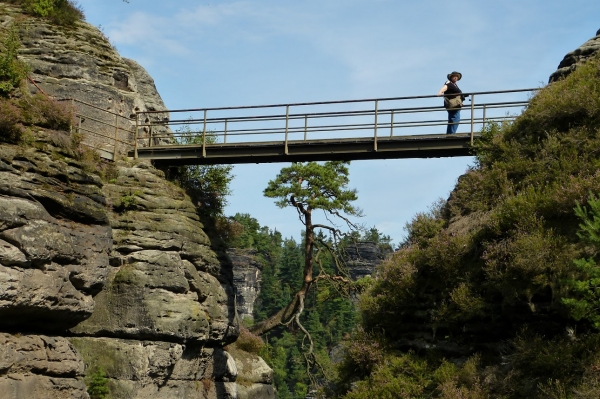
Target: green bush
[[584, 299], [409, 376], [12, 70], [59, 12], [497, 260], [208, 185], [97, 384], [42, 111], [11, 128], [249, 342], [37, 110]]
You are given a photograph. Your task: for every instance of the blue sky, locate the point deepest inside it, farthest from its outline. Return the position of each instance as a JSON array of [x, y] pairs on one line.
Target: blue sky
[[229, 53]]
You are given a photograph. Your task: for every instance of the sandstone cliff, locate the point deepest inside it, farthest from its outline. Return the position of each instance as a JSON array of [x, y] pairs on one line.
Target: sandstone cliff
[[577, 57], [116, 277], [247, 270]]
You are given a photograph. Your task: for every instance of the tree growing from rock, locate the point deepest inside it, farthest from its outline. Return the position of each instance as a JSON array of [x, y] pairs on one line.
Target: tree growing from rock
[[308, 188], [207, 184]]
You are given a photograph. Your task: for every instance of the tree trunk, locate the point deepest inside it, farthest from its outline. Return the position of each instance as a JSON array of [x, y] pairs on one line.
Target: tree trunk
[[286, 314]]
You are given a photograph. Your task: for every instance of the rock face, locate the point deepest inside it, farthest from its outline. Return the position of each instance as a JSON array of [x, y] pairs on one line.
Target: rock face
[[246, 279], [55, 241], [255, 377], [81, 64], [575, 57], [40, 367], [167, 283], [362, 258], [114, 283]]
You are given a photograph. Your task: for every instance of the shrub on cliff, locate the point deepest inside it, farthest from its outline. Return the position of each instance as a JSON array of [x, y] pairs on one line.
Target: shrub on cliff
[[37, 110], [208, 185], [59, 12], [12, 70], [492, 270]]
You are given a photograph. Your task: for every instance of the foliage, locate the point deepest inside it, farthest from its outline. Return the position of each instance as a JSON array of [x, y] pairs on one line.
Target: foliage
[[252, 235], [128, 201], [208, 185], [12, 70], [329, 317], [42, 111], [97, 384], [372, 234], [59, 12], [424, 226], [249, 342], [409, 376], [11, 128], [492, 267], [585, 304], [316, 186], [36, 110]]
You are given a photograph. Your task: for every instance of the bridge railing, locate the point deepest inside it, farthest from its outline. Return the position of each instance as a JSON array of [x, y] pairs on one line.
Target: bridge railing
[[107, 132], [377, 118]]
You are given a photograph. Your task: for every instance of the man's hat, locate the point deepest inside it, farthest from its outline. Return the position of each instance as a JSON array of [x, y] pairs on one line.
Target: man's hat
[[455, 73]]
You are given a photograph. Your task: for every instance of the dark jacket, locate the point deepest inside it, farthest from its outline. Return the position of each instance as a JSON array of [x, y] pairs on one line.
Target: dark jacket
[[453, 89]]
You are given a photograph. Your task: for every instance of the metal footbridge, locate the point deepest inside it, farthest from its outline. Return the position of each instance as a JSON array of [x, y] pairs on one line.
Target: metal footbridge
[[382, 128]]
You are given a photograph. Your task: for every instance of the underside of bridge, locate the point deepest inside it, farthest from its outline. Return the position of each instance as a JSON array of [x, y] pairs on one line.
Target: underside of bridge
[[421, 146]]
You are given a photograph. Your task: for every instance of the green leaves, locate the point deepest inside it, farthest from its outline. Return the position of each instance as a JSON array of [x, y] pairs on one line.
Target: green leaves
[[314, 186], [59, 12], [12, 70], [207, 184], [584, 302]]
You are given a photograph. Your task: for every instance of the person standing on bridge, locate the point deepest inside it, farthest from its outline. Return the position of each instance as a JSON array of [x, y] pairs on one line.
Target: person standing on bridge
[[452, 100]]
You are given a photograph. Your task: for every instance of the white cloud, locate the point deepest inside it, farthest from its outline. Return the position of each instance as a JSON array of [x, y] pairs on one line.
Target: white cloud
[[147, 31]]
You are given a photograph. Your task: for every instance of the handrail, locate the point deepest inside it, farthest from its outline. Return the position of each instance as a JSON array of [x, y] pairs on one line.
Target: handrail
[[315, 121], [312, 120], [333, 102], [106, 125]]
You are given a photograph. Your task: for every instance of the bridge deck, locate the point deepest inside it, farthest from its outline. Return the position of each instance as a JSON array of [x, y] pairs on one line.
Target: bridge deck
[[332, 130], [418, 146]]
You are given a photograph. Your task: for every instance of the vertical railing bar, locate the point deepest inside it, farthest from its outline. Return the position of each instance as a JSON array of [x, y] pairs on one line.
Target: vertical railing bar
[[225, 133], [287, 116], [135, 136], [116, 137], [204, 136], [375, 129], [472, 117], [305, 126], [484, 109], [392, 124]]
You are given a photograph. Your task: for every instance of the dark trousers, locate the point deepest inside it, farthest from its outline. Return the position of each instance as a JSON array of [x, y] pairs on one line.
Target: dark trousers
[[453, 119]]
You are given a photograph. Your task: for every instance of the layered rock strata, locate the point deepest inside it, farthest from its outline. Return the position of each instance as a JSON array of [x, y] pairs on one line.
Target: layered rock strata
[[81, 64], [576, 57], [109, 284], [363, 257], [247, 270]]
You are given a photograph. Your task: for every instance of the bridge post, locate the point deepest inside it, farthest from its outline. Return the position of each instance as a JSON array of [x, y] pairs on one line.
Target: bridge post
[[392, 124], [287, 119], [472, 116], [484, 109], [135, 135], [225, 133], [116, 136], [204, 137], [305, 126], [375, 130]]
